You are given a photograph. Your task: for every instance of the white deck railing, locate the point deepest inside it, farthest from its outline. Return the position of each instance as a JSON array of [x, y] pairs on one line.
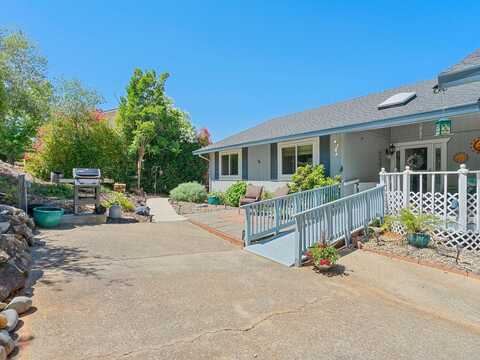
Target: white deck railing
[[337, 220], [454, 196]]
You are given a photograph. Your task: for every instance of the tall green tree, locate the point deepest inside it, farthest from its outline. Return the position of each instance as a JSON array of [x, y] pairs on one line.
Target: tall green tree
[[153, 128], [25, 93]]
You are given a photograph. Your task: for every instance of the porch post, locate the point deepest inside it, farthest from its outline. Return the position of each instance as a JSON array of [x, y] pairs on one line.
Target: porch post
[[406, 186], [382, 176], [462, 197], [478, 202]]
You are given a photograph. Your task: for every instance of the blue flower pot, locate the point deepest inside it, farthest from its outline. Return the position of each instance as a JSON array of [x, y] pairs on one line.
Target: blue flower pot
[[419, 240], [47, 217]]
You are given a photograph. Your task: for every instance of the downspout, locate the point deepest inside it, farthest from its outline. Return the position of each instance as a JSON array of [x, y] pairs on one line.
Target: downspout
[[203, 157]]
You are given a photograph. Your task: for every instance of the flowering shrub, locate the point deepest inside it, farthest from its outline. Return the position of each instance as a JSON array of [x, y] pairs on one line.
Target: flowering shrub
[[235, 192], [118, 198], [323, 255], [310, 177]]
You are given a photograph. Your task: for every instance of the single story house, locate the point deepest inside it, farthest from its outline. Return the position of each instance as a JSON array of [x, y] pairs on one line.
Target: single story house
[[431, 125]]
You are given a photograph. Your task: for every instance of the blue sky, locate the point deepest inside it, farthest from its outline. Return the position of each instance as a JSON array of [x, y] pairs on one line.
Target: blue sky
[[234, 64]]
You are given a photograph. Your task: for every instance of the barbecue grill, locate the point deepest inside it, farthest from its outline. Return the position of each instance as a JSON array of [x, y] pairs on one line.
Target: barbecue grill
[[86, 187]]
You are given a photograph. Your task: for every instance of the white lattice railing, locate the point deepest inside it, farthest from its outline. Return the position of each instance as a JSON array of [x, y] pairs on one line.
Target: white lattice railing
[[454, 196]]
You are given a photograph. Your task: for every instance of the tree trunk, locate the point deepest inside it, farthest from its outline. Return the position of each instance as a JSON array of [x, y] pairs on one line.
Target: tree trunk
[[141, 154]]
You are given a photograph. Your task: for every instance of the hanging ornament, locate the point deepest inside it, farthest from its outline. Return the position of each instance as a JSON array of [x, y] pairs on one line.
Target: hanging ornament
[[443, 126]]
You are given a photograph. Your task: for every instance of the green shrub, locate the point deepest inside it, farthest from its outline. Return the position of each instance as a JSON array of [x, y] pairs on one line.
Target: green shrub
[[118, 198], [8, 191], [235, 192], [63, 144], [190, 191], [267, 195], [323, 255], [60, 191], [310, 177]]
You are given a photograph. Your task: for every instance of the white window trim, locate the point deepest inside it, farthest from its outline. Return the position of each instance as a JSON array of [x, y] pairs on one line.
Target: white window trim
[[230, 177], [310, 141]]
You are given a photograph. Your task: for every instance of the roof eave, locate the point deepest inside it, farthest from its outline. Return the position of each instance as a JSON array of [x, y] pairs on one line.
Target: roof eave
[[377, 124], [454, 78]]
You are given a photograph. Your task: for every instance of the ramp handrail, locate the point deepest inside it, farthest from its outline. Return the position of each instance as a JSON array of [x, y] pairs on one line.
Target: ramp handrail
[[335, 220], [268, 217]]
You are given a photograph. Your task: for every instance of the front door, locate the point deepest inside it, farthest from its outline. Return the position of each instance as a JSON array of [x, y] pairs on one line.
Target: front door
[[417, 159], [421, 156]]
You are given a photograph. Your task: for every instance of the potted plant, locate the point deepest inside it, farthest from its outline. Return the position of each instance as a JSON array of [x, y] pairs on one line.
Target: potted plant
[[323, 256], [417, 226]]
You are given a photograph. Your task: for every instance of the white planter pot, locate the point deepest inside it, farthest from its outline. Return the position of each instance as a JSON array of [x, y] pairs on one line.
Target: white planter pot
[[115, 212]]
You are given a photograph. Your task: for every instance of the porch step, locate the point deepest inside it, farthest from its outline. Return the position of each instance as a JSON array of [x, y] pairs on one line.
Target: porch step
[[280, 249]]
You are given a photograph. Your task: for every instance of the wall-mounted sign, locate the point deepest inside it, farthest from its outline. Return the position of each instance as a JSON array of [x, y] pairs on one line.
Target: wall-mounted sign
[[443, 126], [460, 158]]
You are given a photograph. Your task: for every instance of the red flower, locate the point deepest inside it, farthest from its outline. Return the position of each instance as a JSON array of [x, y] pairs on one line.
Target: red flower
[[325, 262]]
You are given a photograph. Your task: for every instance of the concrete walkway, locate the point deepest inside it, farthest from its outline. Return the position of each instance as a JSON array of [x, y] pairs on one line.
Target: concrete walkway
[[162, 211], [173, 291]]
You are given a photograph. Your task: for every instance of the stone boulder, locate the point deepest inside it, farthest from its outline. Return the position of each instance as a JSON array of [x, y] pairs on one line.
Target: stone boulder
[[20, 304], [16, 235], [7, 342], [12, 319]]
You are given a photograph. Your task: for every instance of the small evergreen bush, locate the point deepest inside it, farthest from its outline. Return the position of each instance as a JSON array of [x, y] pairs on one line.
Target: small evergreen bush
[[310, 177], [235, 192], [190, 191]]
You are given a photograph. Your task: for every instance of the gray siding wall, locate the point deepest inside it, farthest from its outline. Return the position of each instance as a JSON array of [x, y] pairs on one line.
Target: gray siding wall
[[464, 130], [259, 162], [364, 155]]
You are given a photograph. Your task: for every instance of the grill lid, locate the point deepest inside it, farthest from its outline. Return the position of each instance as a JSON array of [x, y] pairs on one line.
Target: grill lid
[[86, 173]]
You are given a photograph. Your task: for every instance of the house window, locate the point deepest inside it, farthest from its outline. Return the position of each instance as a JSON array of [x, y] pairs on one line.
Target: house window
[[295, 156], [229, 164]]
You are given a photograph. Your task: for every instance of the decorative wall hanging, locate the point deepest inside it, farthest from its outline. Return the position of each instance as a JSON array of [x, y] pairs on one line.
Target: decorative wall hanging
[[443, 126], [460, 158], [476, 145]]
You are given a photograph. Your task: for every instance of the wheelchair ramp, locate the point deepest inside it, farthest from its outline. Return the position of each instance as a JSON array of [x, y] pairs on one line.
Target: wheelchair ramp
[[280, 248]]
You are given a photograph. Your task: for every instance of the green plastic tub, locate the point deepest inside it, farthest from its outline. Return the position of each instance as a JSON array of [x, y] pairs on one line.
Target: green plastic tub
[[47, 216], [419, 240], [213, 200]]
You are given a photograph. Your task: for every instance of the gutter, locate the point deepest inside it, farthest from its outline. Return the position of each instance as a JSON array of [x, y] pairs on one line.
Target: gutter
[[459, 77], [372, 125]]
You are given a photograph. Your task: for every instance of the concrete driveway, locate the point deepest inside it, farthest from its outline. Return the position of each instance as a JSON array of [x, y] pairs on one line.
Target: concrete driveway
[[174, 291]]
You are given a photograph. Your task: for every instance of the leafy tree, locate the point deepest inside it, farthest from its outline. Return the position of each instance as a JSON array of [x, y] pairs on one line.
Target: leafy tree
[[158, 135], [24, 93], [77, 136]]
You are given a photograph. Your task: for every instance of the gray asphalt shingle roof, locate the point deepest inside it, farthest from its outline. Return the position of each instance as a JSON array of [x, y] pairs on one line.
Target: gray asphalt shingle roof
[[352, 112]]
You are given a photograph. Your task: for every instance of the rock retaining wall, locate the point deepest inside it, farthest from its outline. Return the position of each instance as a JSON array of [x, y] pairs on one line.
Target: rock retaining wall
[[16, 237]]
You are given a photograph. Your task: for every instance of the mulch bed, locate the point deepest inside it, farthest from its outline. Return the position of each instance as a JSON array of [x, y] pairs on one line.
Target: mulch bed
[[186, 208], [435, 253]]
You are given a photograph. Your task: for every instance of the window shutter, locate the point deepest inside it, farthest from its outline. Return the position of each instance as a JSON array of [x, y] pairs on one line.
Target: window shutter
[[245, 163], [273, 162], [217, 165], [325, 153]]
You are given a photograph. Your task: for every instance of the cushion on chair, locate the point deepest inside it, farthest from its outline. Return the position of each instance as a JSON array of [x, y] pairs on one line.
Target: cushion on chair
[[253, 192]]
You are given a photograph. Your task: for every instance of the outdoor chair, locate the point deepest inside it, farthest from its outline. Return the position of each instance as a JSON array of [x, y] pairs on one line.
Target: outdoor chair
[[253, 194]]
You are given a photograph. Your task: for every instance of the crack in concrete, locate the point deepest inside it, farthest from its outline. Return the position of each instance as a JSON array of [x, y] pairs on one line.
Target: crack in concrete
[[217, 331]]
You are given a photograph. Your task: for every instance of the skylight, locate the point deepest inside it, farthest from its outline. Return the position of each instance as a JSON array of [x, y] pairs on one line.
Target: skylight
[[399, 99]]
